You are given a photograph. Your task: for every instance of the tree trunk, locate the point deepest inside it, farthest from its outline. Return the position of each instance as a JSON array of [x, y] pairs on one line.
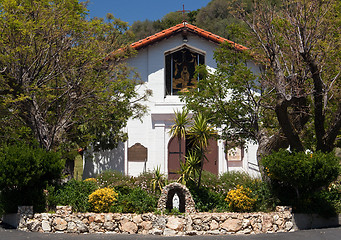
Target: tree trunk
[[268, 144]]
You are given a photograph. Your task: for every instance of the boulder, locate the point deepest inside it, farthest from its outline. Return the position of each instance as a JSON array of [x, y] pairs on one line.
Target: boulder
[[232, 225], [59, 224]]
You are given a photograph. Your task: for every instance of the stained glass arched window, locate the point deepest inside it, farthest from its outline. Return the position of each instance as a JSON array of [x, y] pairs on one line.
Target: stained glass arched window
[[180, 70]]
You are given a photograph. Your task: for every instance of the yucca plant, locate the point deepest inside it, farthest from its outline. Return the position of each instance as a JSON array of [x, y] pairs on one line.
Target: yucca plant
[[190, 169], [179, 129], [199, 134], [158, 181]]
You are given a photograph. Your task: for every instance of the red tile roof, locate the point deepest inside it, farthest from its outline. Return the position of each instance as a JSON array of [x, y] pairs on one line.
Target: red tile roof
[[174, 30], [179, 28]]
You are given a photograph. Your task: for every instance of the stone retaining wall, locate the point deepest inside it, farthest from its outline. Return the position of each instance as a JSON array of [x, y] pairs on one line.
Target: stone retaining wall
[[189, 224]]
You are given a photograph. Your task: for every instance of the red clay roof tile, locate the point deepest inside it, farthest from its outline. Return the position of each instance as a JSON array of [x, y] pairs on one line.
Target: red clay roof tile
[[178, 28]]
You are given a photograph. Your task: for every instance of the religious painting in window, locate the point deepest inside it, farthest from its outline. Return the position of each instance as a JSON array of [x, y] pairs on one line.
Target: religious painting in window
[[180, 70]]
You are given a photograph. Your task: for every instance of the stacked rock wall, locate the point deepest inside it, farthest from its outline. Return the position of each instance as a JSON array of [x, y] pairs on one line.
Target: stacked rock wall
[[188, 224]]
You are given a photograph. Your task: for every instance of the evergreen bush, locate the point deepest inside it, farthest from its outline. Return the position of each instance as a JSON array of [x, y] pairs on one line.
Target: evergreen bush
[[298, 178], [73, 193], [25, 171], [136, 201]]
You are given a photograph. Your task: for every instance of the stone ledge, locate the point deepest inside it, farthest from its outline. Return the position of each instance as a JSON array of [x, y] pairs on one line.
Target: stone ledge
[[188, 224]]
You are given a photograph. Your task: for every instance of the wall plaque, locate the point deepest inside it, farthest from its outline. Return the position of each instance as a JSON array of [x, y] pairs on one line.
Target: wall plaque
[[137, 153]]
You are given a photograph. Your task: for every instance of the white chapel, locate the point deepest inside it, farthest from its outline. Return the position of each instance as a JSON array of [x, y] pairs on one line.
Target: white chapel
[[166, 62]]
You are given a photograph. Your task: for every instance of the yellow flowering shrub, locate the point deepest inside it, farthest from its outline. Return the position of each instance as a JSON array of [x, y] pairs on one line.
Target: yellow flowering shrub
[[90, 180], [102, 199], [240, 200]]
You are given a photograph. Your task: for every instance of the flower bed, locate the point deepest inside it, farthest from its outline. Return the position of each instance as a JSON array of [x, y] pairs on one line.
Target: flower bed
[[188, 224]]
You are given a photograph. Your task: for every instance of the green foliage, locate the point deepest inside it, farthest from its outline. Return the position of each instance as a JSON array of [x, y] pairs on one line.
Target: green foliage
[[158, 181], [190, 169], [53, 78], [114, 179], [25, 171], [297, 178], [73, 193], [136, 201], [179, 128], [207, 200], [304, 172], [214, 189]]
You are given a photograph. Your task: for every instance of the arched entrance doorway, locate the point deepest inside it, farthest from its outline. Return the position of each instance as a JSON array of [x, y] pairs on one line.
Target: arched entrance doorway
[[174, 162]]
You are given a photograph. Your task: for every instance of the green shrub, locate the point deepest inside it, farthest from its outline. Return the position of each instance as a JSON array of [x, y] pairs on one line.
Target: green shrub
[[114, 179], [208, 200], [231, 179], [263, 192], [136, 201], [102, 199], [75, 194], [25, 171], [298, 178]]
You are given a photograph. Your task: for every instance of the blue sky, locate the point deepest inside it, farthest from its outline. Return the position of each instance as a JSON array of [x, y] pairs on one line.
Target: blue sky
[[133, 10]]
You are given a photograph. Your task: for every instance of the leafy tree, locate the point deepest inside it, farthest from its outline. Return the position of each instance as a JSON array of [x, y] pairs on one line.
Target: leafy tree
[[56, 78], [299, 43], [295, 99]]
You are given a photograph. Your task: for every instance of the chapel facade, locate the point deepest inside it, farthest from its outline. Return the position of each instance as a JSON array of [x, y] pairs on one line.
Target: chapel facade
[[166, 62]]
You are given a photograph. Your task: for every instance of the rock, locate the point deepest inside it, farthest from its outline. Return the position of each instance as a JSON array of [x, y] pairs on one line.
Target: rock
[[288, 226], [169, 232], [176, 224], [232, 225], [245, 231], [71, 227], [59, 224], [147, 225], [129, 227], [45, 225], [246, 223], [160, 222], [156, 232], [108, 217], [99, 218], [214, 232], [191, 233], [93, 227], [109, 226], [137, 219], [82, 227], [34, 225], [257, 227], [214, 225]]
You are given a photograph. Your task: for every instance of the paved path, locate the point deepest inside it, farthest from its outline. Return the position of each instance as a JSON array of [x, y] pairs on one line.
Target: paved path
[[314, 234]]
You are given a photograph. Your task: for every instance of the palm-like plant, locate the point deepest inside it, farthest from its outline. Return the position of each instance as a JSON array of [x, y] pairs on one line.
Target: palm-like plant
[[179, 127], [190, 169], [158, 181], [199, 134]]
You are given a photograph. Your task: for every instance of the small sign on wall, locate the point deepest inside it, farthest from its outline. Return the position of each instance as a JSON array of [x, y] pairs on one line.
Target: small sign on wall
[[137, 153]]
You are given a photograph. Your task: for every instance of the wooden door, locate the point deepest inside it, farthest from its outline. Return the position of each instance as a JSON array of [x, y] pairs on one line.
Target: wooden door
[[211, 164]]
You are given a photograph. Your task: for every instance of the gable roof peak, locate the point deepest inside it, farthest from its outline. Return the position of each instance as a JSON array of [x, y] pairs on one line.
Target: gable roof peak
[[184, 26]]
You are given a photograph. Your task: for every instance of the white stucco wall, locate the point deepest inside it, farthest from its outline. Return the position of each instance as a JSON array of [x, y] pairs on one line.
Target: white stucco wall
[[153, 129]]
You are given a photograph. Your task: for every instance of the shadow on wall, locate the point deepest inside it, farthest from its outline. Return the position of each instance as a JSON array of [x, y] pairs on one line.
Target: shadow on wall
[[97, 162]]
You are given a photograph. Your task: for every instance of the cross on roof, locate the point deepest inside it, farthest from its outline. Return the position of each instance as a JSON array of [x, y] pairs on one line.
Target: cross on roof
[[183, 12]]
